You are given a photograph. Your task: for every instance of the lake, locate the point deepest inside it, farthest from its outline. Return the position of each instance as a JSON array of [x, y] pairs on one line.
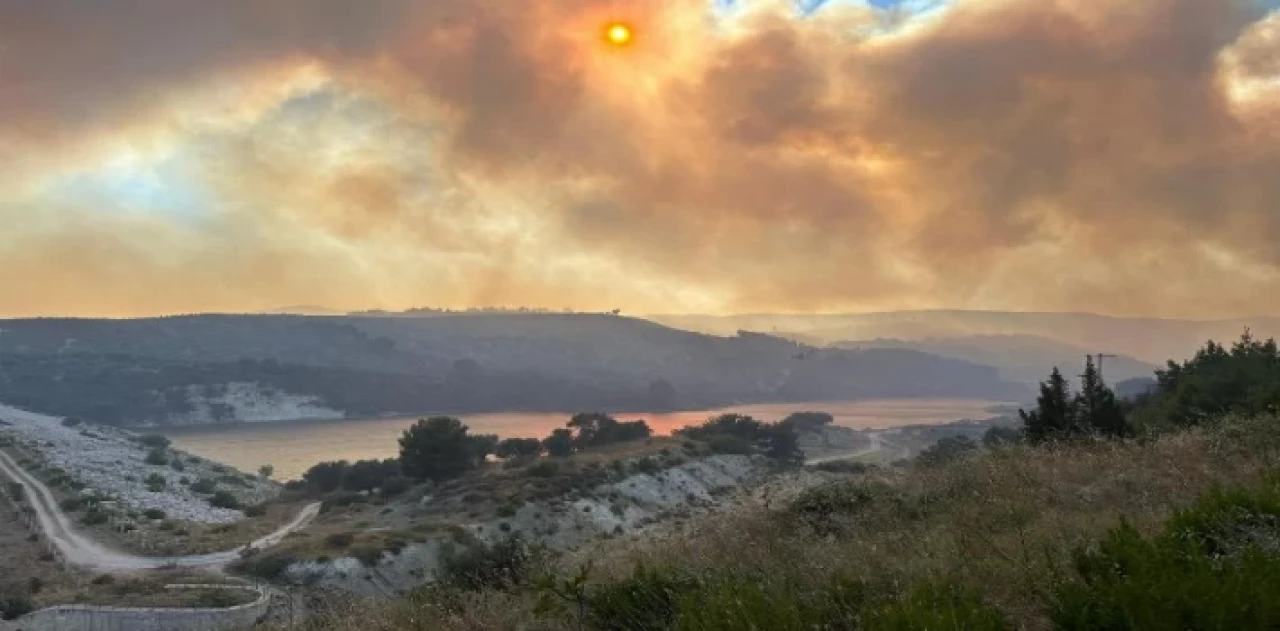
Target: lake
[[292, 447]]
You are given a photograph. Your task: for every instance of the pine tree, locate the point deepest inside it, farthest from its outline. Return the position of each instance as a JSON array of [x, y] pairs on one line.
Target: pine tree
[[1099, 411], [1054, 416]]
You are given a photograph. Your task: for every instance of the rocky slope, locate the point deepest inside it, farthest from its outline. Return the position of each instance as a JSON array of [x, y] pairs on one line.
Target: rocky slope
[[626, 507], [108, 461]]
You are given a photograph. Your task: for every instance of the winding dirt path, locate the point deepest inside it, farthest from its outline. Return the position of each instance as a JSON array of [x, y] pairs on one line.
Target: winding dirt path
[[82, 552]]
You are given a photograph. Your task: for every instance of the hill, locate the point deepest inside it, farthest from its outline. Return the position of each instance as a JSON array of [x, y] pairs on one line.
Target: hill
[[1020, 358], [261, 367], [1146, 339]]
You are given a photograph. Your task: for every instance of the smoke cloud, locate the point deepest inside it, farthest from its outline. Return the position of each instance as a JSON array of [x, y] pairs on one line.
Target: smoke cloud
[[165, 156]]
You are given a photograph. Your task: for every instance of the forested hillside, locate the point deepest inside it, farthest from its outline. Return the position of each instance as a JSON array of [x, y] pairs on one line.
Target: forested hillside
[[156, 370]]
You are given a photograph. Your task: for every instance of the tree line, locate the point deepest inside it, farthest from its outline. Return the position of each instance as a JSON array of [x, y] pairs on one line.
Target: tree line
[[1244, 380], [442, 448]]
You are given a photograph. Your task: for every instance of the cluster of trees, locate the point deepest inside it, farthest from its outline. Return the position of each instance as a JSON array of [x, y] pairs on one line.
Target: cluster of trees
[[741, 434], [442, 448], [1059, 414], [1244, 379], [363, 475]]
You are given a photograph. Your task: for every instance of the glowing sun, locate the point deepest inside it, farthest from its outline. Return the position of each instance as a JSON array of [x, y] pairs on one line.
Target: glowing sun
[[618, 34]]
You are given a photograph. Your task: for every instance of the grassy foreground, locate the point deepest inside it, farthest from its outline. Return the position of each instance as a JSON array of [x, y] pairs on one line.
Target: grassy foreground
[[1093, 534]]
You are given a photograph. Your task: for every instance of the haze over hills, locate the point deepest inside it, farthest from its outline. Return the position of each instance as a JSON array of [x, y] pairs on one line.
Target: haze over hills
[[1151, 340], [1021, 358], [228, 367]]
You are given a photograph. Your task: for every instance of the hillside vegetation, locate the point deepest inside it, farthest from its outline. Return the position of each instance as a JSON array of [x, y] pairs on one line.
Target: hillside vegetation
[[158, 370], [1174, 525]]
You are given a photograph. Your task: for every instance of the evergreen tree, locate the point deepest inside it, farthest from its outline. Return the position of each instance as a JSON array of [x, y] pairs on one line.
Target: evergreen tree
[[437, 449], [1096, 405], [1054, 416]]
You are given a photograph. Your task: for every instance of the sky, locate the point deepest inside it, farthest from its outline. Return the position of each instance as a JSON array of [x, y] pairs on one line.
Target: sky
[[179, 156]]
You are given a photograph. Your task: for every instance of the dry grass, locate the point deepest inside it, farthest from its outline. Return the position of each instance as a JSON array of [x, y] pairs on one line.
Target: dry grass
[[1004, 522]]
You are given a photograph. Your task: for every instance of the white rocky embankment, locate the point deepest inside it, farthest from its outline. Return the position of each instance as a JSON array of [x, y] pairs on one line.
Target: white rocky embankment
[[626, 506], [251, 403], [112, 462]]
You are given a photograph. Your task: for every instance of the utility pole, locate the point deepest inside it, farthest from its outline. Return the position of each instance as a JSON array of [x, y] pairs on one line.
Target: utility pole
[[1100, 357]]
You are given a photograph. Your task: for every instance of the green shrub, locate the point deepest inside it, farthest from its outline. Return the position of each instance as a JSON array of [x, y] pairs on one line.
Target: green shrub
[[155, 441], [156, 483], [1214, 566], [204, 485], [731, 445], [153, 513], [223, 499], [367, 555], [14, 606], [830, 508], [479, 566], [645, 600], [339, 540], [178, 465], [647, 465], [933, 606], [257, 510], [544, 469], [71, 504], [508, 510], [843, 466], [71, 421], [94, 517], [217, 599], [16, 491], [157, 457], [268, 567]]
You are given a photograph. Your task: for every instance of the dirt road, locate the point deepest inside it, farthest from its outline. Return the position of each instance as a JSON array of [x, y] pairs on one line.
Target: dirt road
[[82, 552]]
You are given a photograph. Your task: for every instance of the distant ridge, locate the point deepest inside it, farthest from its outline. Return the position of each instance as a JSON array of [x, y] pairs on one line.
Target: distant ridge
[[1153, 340]]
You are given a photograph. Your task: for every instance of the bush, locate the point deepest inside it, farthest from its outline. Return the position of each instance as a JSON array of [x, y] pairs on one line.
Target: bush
[[544, 469], [394, 485], [326, 477], [223, 499], [71, 504], [14, 606], [156, 483], [204, 485], [257, 510], [95, 517], [843, 466], [340, 540], [16, 491], [831, 508], [368, 556], [731, 445], [1215, 566], [155, 441], [342, 501], [268, 567], [647, 465], [157, 457], [154, 513], [178, 465], [71, 421], [946, 451], [480, 566]]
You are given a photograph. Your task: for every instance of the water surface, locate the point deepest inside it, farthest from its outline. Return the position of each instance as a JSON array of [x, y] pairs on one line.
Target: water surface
[[294, 446]]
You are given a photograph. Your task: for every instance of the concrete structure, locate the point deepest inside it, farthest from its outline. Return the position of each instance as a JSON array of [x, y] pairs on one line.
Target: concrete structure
[[91, 618]]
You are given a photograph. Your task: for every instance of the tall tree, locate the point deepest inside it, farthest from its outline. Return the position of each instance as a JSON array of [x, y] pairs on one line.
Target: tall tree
[[1099, 411], [1054, 416]]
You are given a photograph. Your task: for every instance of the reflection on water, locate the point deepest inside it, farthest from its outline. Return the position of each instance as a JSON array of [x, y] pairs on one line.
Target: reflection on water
[[292, 447]]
